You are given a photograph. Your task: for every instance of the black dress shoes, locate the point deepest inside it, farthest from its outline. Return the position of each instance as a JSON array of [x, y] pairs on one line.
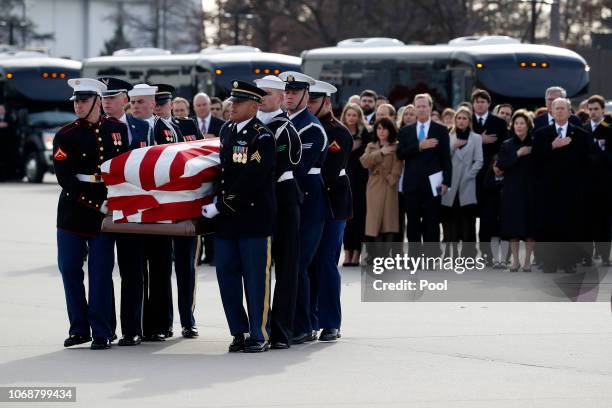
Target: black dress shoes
[[190, 332], [75, 339], [130, 340], [329, 335], [237, 344], [169, 334], [156, 337], [100, 343], [279, 345], [304, 337], [254, 346]]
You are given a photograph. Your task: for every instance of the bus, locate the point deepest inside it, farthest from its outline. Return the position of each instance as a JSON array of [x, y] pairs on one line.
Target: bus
[[34, 89], [210, 71], [510, 71]]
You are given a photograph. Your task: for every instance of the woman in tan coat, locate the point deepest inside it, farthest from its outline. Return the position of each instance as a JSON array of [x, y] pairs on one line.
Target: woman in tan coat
[[382, 219]]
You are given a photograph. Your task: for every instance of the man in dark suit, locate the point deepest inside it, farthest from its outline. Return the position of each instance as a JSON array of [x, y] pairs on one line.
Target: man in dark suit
[[130, 247], [561, 156], [367, 101], [209, 126], [493, 131], [547, 119], [599, 196], [425, 148]]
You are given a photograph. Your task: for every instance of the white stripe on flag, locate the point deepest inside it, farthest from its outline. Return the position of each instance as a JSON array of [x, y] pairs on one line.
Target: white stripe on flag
[[131, 172], [200, 163], [164, 161]]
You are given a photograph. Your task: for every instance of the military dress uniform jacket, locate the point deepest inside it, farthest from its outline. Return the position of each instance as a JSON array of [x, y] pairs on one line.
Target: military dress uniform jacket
[[189, 129], [315, 207], [246, 198], [79, 149], [288, 156], [138, 131], [165, 131], [337, 185]]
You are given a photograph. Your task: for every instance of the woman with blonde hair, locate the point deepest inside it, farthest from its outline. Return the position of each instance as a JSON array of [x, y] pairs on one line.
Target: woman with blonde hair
[[353, 118]]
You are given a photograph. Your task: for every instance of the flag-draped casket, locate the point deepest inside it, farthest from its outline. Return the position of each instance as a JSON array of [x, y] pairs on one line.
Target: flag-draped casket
[[162, 184]]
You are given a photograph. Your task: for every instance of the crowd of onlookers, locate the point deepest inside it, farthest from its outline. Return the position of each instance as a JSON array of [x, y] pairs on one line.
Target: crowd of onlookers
[[542, 175]]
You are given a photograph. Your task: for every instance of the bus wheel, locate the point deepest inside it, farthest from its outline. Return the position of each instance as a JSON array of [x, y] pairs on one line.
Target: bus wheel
[[34, 168]]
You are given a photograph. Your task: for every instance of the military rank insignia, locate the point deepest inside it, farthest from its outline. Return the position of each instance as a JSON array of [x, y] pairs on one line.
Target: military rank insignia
[[168, 135], [240, 154], [334, 147], [60, 155], [256, 156], [281, 148], [116, 138]]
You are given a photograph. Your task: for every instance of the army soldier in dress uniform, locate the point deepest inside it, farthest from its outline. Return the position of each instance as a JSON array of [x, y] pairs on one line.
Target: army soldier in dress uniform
[[130, 247], [285, 245], [157, 310], [315, 208], [325, 290], [79, 149], [185, 247], [246, 215]]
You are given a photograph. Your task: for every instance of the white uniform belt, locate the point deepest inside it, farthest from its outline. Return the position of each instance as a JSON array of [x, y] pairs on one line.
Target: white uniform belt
[[314, 170], [288, 175], [342, 173], [89, 178]]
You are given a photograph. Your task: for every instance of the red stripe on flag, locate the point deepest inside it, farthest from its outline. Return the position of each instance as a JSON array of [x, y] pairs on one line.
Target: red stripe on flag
[[131, 204], [147, 167], [184, 210]]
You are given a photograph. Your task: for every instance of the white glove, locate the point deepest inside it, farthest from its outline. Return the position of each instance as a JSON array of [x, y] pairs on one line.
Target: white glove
[[209, 210], [104, 207]]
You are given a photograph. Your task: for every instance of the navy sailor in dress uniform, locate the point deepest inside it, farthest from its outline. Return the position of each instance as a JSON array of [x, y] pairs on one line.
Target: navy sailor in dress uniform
[[130, 247], [315, 207], [325, 288], [79, 149], [246, 213], [285, 244], [157, 305], [185, 247]]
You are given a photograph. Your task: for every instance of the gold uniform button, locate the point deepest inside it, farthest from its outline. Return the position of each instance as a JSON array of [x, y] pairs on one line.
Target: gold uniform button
[[89, 201], [222, 181], [223, 192], [101, 158], [101, 148], [252, 204], [97, 130], [99, 139]]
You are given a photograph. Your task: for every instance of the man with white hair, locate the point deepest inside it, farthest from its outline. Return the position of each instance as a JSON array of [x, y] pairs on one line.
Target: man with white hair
[[285, 248], [561, 156], [209, 125], [551, 94]]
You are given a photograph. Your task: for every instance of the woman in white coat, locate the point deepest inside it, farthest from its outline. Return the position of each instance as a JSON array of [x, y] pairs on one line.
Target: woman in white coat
[[459, 203]]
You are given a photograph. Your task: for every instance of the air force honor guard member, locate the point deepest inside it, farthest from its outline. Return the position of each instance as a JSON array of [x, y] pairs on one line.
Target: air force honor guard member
[[130, 247], [79, 149], [285, 245], [185, 247], [325, 290], [315, 208], [246, 210]]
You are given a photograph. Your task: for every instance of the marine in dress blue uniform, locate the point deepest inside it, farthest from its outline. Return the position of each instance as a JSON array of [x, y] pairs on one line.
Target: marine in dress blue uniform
[[325, 286], [79, 149], [245, 212], [285, 244], [185, 247], [314, 209], [130, 247]]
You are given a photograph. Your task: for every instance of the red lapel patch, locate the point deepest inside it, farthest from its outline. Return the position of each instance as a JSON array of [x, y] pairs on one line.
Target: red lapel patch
[[334, 147], [60, 155]]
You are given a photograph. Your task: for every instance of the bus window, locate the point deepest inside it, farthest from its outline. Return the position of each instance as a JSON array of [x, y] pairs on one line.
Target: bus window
[[114, 72]]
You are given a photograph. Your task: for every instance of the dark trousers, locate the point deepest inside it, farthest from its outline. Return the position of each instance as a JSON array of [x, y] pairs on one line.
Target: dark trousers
[[423, 211], [185, 249], [245, 261], [460, 226], [326, 312], [401, 201], [97, 313], [157, 313], [310, 237], [132, 268], [285, 250]]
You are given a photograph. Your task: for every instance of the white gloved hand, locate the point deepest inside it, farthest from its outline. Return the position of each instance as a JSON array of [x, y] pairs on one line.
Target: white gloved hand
[[209, 210], [104, 207]]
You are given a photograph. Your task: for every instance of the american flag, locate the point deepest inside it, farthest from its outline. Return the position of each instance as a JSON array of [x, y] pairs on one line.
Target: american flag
[[163, 183]]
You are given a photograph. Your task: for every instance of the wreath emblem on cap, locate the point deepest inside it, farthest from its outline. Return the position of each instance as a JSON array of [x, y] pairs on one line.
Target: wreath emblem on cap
[[77, 82], [290, 78], [235, 84]]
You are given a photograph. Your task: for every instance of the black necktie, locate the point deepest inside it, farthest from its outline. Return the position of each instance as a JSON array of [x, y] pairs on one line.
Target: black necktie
[[480, 122]]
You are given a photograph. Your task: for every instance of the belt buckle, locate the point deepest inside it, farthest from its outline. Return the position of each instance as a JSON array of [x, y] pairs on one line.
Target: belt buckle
[[95, 178]]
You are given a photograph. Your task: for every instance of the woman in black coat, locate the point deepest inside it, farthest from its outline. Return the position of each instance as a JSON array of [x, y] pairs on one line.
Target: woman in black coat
[[354, 232], [517, 203]]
